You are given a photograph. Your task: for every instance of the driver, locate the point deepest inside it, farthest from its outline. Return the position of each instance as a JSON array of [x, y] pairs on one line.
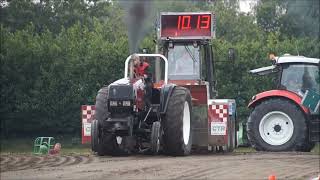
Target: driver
[[141, 68], [294, 85], [141, 71]]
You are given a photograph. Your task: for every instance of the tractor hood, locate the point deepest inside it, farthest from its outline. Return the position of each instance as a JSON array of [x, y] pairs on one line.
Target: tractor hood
[[123, 81], [121, 89]]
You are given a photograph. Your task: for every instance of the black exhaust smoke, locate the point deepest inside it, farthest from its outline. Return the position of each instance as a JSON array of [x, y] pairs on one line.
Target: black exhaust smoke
[[136, 19]]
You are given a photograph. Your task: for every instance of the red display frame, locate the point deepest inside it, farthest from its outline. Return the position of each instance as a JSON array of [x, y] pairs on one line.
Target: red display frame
[[187, 25]]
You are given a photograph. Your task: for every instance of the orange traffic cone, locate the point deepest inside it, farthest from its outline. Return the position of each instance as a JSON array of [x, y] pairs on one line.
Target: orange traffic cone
[[272, 177]]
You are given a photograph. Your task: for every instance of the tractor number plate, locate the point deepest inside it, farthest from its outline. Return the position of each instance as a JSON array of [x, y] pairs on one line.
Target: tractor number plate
[[218, 128]]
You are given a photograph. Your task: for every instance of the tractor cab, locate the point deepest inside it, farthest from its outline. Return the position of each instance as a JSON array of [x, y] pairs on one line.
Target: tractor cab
[[184, 60], [294, 73], [184, 38]]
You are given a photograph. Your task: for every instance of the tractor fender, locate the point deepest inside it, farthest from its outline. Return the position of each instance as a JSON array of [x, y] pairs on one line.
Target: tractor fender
[[278, 93], [165, 93]]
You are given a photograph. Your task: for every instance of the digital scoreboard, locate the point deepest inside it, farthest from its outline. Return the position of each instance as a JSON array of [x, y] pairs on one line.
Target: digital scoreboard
[[184, 25]]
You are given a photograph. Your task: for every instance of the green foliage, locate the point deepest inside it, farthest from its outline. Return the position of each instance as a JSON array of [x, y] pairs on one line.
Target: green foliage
[[45, 77], [293, 18], [55, 55], [54, 14]]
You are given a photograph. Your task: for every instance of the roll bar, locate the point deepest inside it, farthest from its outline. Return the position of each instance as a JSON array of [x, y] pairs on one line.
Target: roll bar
[[126, 67]]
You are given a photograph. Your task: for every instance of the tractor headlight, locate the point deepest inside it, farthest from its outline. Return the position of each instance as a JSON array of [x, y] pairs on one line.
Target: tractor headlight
[[113, 103], [126, 103]]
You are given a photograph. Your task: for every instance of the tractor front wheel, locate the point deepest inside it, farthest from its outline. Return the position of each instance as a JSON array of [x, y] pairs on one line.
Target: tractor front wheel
[[277, 125], [155, 137], [102, 142], [111, 145], [94, 135]]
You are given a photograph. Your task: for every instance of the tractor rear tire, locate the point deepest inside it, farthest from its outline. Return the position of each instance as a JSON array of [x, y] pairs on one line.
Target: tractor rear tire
[[108, 146], [177, 124], [277, 125], [94, 135], [106, 143], [102, 145], [101, 112]]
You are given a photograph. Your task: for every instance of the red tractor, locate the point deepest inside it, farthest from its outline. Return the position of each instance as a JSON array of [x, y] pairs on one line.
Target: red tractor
[[283, 119], [173, 110]]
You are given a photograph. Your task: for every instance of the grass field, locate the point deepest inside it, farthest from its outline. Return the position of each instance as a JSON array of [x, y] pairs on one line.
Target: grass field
[[73, 146]]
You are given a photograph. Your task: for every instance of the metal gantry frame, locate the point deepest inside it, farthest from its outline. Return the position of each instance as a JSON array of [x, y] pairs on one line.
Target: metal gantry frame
[[126, 68]]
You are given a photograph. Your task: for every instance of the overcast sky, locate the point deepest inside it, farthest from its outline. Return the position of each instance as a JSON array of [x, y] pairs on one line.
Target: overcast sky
[[246, 5]]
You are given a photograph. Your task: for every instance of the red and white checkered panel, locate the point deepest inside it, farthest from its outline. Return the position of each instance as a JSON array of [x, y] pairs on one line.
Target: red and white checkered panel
[[219, 112], [87, 115], [218, 120]]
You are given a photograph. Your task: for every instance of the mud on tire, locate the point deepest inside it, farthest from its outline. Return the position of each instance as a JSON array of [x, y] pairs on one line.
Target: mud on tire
[[287, 108], [176, 119]]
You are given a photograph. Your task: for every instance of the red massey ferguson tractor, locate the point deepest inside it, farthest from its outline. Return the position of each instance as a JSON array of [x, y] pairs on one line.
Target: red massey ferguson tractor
[[279, 120], [172, 110]]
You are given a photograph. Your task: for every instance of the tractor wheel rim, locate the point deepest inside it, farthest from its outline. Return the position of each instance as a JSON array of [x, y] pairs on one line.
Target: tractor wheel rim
[[119, 140], [186, 123], [158, 145], [276, 128]]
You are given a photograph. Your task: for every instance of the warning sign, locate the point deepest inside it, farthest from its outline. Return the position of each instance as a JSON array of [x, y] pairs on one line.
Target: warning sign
[[218, 128]]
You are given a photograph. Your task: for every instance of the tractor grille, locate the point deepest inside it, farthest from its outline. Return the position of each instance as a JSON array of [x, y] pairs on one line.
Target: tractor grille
[[121, 92]]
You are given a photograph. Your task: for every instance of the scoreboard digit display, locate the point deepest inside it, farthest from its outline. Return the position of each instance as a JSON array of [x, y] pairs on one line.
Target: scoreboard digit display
[[187, 25]]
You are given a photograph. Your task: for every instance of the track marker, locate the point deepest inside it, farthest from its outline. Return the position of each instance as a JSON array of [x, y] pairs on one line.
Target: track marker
[[272, 177]]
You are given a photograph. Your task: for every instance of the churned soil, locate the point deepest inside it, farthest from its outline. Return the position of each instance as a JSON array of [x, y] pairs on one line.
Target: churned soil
[[257, 165]]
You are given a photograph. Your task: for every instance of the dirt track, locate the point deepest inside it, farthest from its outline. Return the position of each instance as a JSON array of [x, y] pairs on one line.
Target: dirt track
[[211, 166]]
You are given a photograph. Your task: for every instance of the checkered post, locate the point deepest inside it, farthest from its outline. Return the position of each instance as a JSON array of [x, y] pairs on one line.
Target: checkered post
[[218, 117], [87, 115], [220, 111]]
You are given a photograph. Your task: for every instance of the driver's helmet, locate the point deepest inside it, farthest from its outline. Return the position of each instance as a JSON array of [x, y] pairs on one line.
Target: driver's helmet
[[135, 56]]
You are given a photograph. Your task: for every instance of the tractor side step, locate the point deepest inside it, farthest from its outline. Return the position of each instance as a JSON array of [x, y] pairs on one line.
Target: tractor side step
[[314, 131]]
